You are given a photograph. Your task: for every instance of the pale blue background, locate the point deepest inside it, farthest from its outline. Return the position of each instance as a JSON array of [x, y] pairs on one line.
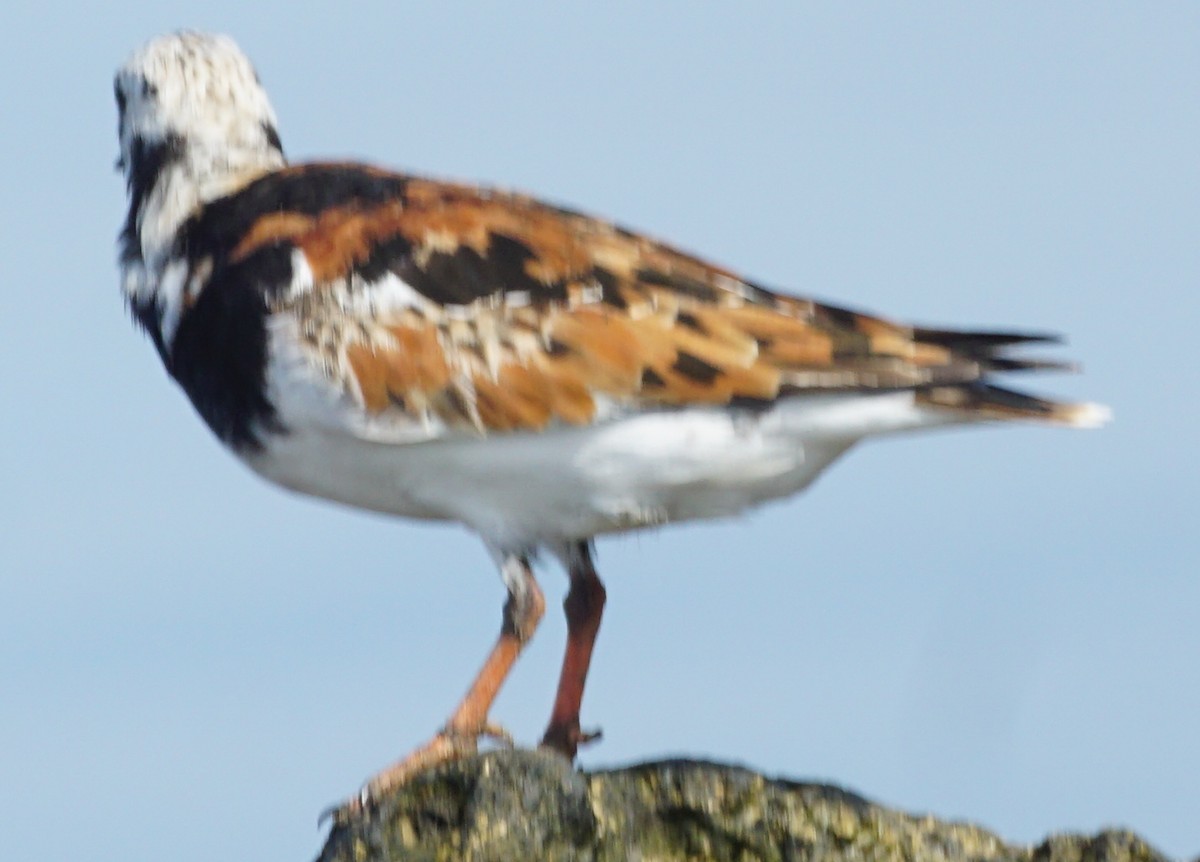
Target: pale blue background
[[999, 625]]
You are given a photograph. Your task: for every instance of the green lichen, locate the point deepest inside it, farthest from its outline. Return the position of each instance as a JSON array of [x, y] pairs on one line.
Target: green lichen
[[525, 805]]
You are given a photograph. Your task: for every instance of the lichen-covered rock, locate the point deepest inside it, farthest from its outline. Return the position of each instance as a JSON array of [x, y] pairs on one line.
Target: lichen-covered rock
[[529, 805]]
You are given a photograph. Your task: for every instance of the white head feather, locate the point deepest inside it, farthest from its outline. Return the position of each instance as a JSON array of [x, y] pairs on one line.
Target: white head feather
[[195, 123]]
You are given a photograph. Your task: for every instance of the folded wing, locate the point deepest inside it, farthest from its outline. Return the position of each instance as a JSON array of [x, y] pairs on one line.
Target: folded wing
[[491, 311]]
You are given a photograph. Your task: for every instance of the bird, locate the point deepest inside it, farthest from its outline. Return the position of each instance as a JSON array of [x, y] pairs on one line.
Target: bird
[[442, 351]]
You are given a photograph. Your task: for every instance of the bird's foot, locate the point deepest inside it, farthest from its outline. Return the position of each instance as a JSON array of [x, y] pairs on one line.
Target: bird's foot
[[567, 737], [447, 745]]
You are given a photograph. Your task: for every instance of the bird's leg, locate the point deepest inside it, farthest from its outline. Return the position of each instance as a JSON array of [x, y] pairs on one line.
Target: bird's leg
[[584, 606], [460, 736]]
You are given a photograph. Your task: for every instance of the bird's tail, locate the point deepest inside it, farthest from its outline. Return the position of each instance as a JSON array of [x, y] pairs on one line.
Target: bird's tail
[[983, 399]]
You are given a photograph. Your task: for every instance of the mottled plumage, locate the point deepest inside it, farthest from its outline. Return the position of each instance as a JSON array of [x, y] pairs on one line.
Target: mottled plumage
[[446, 351]]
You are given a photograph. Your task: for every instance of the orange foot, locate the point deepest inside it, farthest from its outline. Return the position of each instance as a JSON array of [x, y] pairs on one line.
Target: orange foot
[[566, 738], [447, 745], [460, 737]]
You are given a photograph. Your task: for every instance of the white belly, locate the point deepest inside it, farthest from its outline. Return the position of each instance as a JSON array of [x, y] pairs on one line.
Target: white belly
[[572, 483]]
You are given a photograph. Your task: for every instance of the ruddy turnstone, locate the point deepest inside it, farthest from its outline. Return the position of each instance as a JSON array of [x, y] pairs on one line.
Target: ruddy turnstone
[[451, 352]]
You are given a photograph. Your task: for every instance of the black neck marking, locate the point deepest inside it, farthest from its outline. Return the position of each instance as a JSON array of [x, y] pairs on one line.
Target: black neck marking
[[219, 353], [146, 163]]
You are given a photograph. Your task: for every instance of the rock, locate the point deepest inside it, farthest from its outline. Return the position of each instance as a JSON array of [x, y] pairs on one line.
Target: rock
[[532, 805]]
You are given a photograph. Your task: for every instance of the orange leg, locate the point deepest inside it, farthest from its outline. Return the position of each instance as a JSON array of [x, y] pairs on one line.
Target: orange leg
[[584, 606], [460, 735]]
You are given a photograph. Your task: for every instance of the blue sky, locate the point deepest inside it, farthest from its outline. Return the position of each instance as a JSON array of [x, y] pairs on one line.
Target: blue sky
[[995, 625]]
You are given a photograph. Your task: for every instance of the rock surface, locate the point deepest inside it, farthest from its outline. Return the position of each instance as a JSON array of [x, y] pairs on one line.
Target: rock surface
[[528, 805]]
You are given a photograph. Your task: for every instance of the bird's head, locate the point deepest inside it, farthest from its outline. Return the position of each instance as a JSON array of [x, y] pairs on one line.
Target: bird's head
[[193, 119], [194, 124]]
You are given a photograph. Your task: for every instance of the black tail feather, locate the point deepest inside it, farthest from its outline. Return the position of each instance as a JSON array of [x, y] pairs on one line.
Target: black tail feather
[[989, 349], [984, 343]]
